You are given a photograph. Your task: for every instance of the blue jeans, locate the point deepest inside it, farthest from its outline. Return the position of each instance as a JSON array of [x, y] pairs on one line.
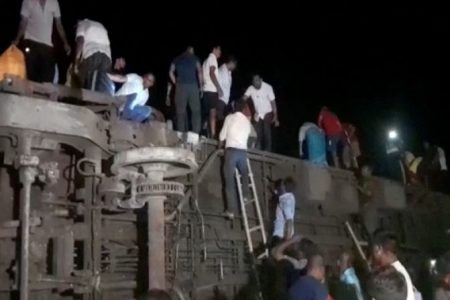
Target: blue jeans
[[138, 113], [235, 159]]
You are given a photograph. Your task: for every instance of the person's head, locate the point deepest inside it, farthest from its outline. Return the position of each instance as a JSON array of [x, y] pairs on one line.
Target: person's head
[[384, 249], [288, 185], [217, 51], [443, 270], [306, 248], [149, 80], [316, 266], [157, 295], [241, 106], [120, 63], [190, 50], [387, 284], [345, 261], [366, 171], [231, 63], [257, 81]]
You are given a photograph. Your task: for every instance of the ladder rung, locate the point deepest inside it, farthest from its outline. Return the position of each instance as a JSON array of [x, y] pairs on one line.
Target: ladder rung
[[253, 229], [263, 255], [363, 243], [249, 201]]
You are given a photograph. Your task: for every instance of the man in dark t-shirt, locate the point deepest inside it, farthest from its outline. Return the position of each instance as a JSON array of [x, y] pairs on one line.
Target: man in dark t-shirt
[[186, 74], [310, 286]]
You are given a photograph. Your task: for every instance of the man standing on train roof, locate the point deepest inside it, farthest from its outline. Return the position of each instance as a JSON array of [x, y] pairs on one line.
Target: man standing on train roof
[[266, 113], [36, 28]]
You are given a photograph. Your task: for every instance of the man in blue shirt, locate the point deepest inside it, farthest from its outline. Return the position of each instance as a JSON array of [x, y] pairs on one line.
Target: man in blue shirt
[[349, 287], [310, 287], [186, 74]]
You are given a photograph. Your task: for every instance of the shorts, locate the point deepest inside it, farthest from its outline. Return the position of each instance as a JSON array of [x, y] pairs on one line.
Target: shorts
[[333, 143], [211, 100]]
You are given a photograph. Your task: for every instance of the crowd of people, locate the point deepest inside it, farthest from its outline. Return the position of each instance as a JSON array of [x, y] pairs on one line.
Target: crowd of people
[[201, 90], [203, 104], [302, 274]]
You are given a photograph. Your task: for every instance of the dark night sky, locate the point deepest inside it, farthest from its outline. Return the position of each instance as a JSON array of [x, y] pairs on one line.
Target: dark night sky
[[375, 66]]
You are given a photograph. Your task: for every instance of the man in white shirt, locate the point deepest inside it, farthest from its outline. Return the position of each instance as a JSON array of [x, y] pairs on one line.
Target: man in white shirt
[[36, 27], [283, 227], [266, 113], [235, 133], [225, 81], [384, 253], [387, 283], [211, 88], [93, 55], [135, 89]]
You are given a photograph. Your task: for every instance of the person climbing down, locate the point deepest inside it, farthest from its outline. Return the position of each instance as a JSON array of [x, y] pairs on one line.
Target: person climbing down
[[368, 209], [285, 212], [314, 149], [332, 127]]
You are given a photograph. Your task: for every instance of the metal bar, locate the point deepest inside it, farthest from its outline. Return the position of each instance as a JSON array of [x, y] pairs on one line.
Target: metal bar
[[25, 194], [244, 212], [156, 243], [356, 242], [26, 175], [93, 216]]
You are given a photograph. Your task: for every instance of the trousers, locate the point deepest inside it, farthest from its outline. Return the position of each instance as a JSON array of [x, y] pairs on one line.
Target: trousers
[[187, 94], [235, 159], [93, 73], [40, 61], [139, 113], [264, 133]]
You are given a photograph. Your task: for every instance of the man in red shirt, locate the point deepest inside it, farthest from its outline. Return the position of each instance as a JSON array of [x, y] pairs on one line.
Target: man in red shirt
[[332, 127]]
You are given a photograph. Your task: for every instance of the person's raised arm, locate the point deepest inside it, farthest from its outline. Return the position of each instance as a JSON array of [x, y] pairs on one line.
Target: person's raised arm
[[278, 251], [117, 78]]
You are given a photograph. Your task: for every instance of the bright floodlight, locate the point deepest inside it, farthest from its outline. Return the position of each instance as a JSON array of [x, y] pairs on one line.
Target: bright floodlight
[[393, 135]]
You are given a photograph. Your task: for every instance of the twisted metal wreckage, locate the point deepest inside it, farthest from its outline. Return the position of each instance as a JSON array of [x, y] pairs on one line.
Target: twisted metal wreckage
[[93, 207]]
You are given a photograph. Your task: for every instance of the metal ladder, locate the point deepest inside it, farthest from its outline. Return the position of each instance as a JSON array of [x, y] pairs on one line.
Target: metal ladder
[[253, 201], [358, 243], [258, 228]]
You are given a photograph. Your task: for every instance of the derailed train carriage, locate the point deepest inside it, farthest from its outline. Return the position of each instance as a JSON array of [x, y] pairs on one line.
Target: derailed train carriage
[[93, 207]]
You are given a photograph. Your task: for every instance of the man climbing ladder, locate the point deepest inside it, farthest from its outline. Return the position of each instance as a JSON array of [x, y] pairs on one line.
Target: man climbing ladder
[[235, 133], [239, 178]]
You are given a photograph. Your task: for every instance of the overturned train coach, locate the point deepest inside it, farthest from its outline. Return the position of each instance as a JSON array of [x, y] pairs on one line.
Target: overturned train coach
[[92, 207]]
